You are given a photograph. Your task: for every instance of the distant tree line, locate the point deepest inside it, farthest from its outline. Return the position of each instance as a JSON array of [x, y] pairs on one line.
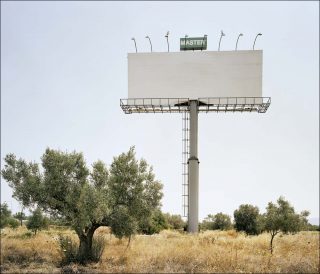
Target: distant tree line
[[280, 217]]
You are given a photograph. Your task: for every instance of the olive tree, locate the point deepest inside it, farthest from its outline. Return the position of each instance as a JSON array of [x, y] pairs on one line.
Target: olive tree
[[281, 217], [120, 197]]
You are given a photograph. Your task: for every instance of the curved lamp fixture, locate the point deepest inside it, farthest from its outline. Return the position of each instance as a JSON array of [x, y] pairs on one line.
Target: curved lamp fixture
[[238, 40], [222, 34], [135, 44], [149, 41], [259, 34]]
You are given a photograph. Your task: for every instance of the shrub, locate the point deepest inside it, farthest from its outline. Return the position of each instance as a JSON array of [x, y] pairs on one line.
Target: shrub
[[13, 223], [175, 221], [219, 221], [246, 219], [70, 249], [5, 215], [153, 225], [37, 221], [98, 245]]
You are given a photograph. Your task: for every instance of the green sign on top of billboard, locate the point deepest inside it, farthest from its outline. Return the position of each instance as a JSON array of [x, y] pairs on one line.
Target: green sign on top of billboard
[[193, 43]]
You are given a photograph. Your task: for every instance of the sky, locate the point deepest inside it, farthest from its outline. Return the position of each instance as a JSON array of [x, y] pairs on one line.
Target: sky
[[64, 70]]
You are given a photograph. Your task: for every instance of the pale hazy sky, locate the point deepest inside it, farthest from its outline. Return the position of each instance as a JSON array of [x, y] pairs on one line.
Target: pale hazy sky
[[64, 69]]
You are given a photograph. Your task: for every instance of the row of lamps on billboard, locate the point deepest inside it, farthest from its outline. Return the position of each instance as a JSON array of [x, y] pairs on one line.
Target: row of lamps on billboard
[[186, 36]]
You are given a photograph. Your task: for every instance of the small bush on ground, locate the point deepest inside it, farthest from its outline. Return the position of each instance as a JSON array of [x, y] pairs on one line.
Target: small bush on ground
[[70, 249], [218, 221], [37, 221], [13, 223], [98, 245], [6, 219], [174, 221], [155, 224]]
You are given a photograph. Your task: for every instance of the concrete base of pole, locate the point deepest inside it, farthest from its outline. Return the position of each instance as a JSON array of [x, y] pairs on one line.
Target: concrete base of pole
[[193, 218]]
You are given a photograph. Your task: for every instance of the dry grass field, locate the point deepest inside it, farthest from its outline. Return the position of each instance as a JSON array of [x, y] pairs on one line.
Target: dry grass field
[[170, 251]]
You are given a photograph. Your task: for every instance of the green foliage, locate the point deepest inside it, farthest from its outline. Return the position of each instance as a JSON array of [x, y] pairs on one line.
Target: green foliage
[[13, 223], [20, 216], [6, 218], [5, 215], [218, 221], [155, 224], [175, 221], [122, 223], [134, 194], [122, 197], [281, 217], [311, 227], [37, 221], [246, 218], [261, 223]]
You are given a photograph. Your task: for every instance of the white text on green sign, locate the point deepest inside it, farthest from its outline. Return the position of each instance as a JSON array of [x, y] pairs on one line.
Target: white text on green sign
[[195, 43]]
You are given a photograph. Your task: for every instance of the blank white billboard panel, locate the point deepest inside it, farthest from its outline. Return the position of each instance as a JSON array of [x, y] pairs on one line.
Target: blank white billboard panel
[[195, 74]]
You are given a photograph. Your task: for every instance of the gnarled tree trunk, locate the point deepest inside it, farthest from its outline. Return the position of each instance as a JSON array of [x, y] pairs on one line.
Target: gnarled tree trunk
[[85, 247]]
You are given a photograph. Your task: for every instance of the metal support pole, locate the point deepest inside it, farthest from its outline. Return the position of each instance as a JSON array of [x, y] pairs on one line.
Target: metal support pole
[[193, 166]]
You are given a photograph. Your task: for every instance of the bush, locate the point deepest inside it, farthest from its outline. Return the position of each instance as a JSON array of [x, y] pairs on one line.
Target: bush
[[37, 221], [175, 221], [13, 223], [98, 245], [219, 221], [311, 227], [5, 215], [70, 249], [153, 225], [247, 219]]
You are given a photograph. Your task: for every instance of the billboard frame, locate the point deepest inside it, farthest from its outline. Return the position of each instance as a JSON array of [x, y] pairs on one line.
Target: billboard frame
[[207, 104]]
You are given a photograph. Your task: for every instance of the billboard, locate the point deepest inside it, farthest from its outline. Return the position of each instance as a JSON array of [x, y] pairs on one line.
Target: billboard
[[194, 75]]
